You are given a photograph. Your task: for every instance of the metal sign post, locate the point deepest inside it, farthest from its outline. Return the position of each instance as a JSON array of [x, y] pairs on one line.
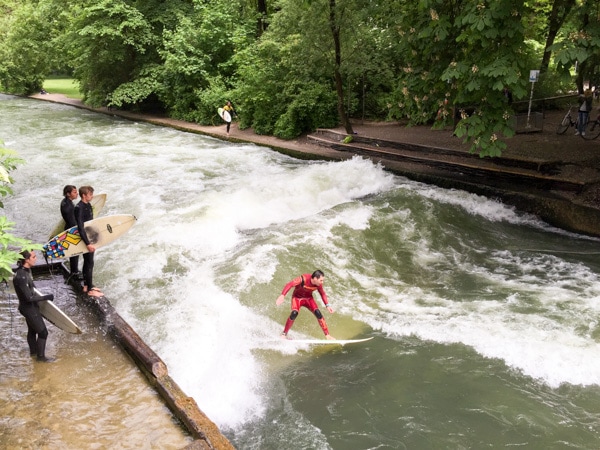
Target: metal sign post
[[533, 77]]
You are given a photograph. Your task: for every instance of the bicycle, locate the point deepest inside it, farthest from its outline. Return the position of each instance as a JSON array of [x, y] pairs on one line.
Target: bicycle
[[567, 122], [592, 129]]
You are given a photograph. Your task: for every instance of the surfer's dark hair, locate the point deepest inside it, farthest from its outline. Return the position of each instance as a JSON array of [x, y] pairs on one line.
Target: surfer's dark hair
[[68, 188], [83, 190], [317, 274], [25, 254]]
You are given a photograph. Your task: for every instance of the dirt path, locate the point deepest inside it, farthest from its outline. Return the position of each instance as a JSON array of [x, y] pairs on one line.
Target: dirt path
[[544, 145]]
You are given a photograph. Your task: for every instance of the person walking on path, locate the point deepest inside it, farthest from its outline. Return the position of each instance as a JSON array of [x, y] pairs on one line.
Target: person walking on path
[[83, 213], [67, 211], [304, 286], [585, 107], [37, 333], [229, 108]]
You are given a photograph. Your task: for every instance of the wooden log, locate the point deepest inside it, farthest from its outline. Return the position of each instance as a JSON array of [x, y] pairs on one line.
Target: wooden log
[[207, 434], [187, 410]]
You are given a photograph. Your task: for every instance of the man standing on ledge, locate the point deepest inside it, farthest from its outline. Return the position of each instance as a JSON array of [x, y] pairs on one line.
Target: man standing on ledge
[[83, 213], [304, 286], [67, 211]]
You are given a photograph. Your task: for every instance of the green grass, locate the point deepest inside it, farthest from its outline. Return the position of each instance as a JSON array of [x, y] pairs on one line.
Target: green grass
[[66, 86]]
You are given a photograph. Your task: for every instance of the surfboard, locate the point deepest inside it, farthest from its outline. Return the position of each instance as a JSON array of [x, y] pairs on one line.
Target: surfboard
[[101, 231], [224, 114], [56, 316], [328, 342], [97, 203]]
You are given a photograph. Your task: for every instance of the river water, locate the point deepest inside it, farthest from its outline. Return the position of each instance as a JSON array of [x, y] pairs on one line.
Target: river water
[[485, 320]]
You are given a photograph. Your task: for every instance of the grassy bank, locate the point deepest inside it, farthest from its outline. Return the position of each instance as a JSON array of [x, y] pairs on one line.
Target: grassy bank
[[60, 85]]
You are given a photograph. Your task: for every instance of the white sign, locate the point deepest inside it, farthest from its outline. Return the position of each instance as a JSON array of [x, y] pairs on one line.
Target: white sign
[[533, 75]]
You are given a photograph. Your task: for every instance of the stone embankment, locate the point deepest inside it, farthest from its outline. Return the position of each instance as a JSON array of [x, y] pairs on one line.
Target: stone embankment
[[561, 186]]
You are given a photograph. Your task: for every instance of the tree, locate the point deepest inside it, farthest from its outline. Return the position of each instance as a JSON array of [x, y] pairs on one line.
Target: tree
[[285, 78], [579, 45], [261, 7], [486, 55], [27, 48], [334, 25], [106, 41], [319, 63], [319, 53], [199, 61], [556, 18]]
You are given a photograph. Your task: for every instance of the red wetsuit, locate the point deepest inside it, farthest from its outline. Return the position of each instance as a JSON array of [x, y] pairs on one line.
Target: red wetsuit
[[303, 296]]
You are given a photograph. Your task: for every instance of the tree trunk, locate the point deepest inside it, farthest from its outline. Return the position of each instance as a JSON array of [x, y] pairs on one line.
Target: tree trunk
[[262, 16], [582, 67], [558, 15], [339, 85]]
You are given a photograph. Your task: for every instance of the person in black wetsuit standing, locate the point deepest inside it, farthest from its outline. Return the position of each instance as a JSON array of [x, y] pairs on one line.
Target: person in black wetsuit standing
[[37, 333], [83, 213], [67, 211]]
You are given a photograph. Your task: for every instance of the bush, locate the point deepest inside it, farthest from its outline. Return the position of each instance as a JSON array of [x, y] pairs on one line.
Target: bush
[[315, 107]]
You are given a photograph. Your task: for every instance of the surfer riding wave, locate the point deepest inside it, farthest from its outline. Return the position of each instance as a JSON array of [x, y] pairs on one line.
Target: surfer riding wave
[[304, 286]]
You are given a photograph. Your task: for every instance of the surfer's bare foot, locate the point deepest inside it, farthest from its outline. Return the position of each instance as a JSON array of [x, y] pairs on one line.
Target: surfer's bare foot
[[329, 337], [285, 336], [95, 292]]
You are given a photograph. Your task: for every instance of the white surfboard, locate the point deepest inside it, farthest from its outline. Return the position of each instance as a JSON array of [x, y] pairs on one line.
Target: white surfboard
[[224, 114], [101, 231], [54, 315], [97, 203], [327, 341]]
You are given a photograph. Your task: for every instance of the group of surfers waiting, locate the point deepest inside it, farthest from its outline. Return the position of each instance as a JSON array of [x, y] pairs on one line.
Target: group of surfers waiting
[[29, 297], [76, 215]]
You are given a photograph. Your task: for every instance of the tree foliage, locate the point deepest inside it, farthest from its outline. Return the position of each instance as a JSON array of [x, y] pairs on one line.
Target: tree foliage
[[291, 66], [26, 46], [10, 245], [198, 56], [107, 38]]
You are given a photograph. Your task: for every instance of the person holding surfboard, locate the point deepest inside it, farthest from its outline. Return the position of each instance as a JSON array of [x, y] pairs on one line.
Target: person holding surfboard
[[37, 333], [231, 112], [83, 213], [67, 211], [304, 286]]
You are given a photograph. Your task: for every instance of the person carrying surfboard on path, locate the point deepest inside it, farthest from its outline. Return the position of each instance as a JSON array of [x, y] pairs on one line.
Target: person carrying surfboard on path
[[83, 213], [37, 333], [304, 286], [229, 108], [67, 211]]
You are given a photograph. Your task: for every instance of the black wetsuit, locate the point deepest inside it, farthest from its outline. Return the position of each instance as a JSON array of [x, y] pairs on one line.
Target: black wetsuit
[[67, 210], [83, 213], [37, 332]]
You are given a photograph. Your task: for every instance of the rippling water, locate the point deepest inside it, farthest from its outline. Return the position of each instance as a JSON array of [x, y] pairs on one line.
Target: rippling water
[[485, 320], [92, 397]]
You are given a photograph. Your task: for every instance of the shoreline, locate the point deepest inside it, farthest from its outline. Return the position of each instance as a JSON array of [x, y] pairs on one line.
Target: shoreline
[[561, 184]]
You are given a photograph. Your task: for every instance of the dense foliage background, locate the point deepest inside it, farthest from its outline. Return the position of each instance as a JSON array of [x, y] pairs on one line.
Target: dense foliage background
[[290, 66]]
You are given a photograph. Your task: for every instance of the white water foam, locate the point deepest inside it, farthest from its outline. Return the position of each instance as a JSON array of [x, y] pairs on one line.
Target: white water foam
[[204, 206]]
